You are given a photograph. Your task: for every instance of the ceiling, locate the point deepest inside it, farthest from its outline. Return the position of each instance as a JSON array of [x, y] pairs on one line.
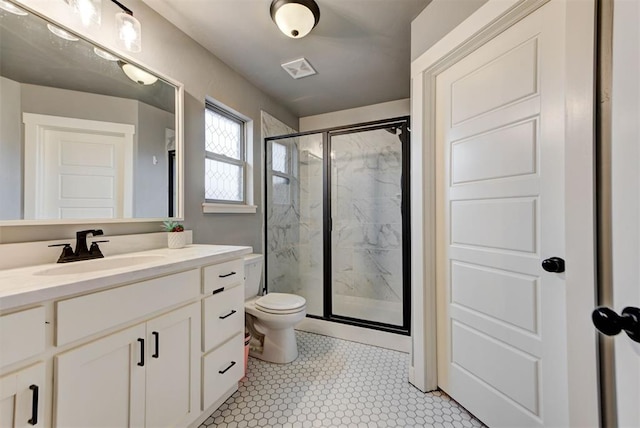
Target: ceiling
[[360, 48]]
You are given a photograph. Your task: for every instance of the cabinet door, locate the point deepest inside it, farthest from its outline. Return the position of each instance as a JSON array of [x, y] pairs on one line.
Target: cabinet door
[[101, 384], [21, 395], [173, 370]]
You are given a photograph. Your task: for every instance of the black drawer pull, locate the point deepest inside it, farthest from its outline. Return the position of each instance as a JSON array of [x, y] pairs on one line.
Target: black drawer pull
[[34, 405], [224, 276], [233, 363], [219, 290], [233, 311], [141, 362], [156, 354]]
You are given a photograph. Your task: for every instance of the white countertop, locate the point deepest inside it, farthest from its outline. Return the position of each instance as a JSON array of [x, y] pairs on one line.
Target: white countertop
[[28, 285]]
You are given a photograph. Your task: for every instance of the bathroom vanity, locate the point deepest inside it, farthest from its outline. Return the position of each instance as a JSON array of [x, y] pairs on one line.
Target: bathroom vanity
[[150, 339]]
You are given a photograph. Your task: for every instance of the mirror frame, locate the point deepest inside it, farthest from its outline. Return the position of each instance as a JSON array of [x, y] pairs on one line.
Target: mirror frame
[[179, 135]]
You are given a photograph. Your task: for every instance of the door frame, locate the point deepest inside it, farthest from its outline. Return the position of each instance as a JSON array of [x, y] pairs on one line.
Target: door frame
[[488, 21], [35, 126]]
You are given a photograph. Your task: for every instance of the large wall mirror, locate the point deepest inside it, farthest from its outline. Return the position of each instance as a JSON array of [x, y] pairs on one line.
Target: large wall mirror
[[84, 134]]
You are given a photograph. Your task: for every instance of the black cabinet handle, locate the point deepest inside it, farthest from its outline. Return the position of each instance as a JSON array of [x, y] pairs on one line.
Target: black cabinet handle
[[228, 315], [141, 362], [224, 276], [219, 290], [34, 405], [233, 363], [610, 323], [156, 354]]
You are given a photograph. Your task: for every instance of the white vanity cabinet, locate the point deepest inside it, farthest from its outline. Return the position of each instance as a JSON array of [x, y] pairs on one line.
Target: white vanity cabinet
[[21, 397], [145, 375], [223, 329], [22, 337], [155, 345]]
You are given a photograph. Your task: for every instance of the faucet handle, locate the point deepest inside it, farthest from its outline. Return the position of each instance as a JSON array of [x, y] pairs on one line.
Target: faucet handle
[[67, 252], [95, 250]]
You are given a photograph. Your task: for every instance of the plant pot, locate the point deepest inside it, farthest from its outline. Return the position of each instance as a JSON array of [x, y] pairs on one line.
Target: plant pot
[[176, 239]]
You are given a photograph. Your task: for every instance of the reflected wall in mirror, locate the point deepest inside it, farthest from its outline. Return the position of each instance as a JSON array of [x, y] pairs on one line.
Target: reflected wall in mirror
[[83, 134]]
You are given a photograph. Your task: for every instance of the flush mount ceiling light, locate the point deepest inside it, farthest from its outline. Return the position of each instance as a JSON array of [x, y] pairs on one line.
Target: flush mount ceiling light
[[136, 74], [295, 18], [62, 33], [11, 8], [129, 30]]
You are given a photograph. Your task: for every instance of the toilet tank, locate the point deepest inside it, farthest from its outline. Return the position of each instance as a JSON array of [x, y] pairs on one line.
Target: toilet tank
[[252, 275]]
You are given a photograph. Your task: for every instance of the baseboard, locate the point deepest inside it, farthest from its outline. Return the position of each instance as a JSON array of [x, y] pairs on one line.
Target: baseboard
[[381, 339]]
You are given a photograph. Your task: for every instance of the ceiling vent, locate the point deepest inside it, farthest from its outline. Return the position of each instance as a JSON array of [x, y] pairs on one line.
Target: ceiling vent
[[299, 68]]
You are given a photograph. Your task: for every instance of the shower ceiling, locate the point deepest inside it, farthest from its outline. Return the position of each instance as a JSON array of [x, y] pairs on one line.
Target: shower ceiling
[[360, 48]]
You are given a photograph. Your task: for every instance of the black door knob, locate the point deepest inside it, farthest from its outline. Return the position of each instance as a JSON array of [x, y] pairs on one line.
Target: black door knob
[[553, 264], [610, 323]]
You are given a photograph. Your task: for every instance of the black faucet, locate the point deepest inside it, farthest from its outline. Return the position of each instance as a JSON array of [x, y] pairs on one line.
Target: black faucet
[[82, 252], [81, 242]]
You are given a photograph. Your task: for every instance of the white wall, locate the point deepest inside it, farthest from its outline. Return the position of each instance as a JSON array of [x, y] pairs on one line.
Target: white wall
[[436, 20], [353, 116]]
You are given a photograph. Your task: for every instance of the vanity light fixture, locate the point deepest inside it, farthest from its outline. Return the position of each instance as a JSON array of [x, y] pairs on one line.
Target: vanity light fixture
[[136, 74], [295, 18], [129, 31], [90, 11], [105, 55], [11, 8], [62, 33]]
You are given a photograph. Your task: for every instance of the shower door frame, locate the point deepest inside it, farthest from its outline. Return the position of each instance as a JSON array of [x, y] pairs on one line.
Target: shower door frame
[[402, 122]]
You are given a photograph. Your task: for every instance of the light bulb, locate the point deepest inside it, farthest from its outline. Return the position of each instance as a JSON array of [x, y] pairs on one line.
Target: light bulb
[[129, 32], [90, 11]]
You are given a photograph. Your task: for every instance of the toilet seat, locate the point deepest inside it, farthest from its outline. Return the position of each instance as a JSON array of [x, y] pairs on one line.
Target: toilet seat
[[280, 303]]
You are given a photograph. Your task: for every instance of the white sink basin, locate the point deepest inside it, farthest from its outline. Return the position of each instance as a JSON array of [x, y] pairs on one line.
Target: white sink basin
[[99, 265]]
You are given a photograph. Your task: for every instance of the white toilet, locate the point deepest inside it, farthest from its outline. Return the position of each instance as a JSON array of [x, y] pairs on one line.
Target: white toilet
[[270, 318]]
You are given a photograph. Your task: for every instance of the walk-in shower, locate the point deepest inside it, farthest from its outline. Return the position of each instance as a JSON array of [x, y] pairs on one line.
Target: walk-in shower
[[337, 226]]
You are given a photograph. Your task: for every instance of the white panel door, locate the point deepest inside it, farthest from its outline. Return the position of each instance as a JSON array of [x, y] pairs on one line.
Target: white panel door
[[626, 200], [102, 384], [83, 174], [172, 375], [500, 212]]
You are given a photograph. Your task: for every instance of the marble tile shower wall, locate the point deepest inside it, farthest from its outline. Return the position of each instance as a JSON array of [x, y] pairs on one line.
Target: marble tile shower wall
[[367, 236]]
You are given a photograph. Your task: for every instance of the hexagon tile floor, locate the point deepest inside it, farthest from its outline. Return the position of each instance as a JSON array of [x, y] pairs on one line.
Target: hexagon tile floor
[[336, 383]]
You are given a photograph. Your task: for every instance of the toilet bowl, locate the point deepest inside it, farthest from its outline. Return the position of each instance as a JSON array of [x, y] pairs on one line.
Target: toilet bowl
[[270, 318]]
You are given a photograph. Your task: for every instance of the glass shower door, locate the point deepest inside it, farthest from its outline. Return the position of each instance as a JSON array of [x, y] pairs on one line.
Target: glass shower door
[[367, 228], [294, 223]]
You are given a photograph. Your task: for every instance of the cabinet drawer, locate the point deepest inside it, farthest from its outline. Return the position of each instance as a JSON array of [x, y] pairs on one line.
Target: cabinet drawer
[[223, 316], [86, 315], [223, 275], [21, 335], [222, 369]]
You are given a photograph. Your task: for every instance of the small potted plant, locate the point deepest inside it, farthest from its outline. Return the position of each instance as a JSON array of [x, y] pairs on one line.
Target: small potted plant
[[176, 238]]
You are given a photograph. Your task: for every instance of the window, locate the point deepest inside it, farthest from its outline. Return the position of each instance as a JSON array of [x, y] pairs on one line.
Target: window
[[225, 162]]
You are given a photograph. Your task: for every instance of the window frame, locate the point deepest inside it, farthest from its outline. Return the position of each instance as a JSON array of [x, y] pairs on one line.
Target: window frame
[[242, 162]]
